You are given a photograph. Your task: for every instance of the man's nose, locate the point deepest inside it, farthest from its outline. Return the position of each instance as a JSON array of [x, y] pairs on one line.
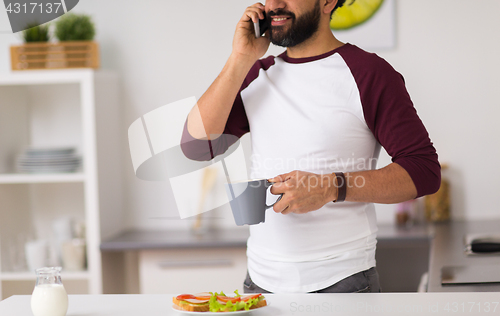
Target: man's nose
[[273, 5]]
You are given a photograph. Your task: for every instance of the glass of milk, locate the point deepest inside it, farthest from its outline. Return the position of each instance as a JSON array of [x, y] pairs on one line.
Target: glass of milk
[[49, 297]]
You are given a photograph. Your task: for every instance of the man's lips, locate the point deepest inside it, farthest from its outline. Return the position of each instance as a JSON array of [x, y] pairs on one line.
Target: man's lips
[[277, 20]]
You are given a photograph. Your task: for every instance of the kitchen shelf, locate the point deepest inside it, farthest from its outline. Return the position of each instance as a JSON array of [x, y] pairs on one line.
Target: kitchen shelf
[[28, 276], [41, 178], [47, 77], [77, 108]]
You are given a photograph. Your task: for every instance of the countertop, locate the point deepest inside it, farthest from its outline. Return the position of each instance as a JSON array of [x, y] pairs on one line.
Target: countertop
[[447, 249], [161, 239], [172, 239], [392, 234], [446, 245], [353, 304]]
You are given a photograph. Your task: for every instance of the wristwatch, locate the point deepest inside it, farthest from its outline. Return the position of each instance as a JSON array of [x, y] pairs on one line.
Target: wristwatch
[[341, 185]]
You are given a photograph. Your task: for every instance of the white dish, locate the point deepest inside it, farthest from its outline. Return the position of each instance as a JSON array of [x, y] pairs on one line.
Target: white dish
[[44, 164], [62, 169], [48, 158], [49, 164], [218, 313], [51, 158], [48, 152], [74, 163]]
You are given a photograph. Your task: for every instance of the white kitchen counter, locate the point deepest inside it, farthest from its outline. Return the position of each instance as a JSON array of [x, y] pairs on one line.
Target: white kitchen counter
[[387, 304]]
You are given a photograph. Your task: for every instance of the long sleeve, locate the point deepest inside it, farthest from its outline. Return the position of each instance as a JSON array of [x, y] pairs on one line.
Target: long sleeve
[[203, 149], [393, 120]]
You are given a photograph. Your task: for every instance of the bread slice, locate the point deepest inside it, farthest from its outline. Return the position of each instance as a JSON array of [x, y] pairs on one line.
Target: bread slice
[[185, 306], [259, 304]]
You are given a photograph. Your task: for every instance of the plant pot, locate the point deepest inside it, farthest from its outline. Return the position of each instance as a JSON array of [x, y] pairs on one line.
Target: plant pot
[[74, 54]]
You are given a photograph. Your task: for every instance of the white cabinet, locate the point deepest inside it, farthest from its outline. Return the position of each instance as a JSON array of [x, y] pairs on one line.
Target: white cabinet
[[192, 270], [59, 108]]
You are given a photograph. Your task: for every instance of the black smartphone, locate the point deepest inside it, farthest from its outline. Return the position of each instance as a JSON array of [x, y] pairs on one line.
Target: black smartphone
[[261, 27]]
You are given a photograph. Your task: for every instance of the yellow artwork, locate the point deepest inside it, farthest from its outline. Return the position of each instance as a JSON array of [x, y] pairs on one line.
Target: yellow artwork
[[354, 13]]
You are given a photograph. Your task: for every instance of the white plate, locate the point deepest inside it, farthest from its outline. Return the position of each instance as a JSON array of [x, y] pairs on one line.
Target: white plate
[[218, 313], [58, 158], [49, 151], [55, 158], [48, 170], [49, 164]]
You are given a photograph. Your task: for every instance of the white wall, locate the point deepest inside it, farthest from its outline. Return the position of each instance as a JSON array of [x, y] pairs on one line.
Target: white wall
[[449, 54], [447, 50]]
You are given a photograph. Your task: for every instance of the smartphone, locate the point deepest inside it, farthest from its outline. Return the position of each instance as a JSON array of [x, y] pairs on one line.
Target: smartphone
[[261, 27]]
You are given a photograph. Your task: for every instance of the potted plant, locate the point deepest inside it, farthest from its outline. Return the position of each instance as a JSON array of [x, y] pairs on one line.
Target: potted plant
[[73, 27], [33, 36], [36, 33], [75, 49]]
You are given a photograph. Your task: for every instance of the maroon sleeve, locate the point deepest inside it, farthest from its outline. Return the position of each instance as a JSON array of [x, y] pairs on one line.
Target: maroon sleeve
[[236, 125], [203, 149], [390, 115]]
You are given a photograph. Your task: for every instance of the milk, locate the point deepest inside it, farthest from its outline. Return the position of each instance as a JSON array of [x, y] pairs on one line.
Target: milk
[[49, 300]]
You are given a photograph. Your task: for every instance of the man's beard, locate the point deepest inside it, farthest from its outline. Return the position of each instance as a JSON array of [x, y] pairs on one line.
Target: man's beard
[[300, 29]]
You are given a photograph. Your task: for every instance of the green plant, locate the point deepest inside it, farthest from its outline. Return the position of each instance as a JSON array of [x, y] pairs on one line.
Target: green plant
[[75, 27], [36, 33]]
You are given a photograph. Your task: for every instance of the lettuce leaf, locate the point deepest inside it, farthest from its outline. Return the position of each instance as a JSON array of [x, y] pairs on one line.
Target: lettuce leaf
[[215, 306]]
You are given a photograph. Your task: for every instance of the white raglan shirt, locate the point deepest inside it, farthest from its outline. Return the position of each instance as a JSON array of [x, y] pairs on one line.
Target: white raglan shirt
[[308, 117], [321, 114]]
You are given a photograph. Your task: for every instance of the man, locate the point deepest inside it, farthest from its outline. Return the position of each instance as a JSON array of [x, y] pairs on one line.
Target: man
[[318, 114]]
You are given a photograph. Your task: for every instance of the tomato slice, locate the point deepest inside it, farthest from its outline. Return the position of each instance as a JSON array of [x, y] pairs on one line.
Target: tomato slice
[[185, 296], [246, 298], [203, 297], [228, 299]]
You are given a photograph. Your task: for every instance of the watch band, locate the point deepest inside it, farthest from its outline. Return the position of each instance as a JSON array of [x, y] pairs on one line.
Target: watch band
[[341, 185]]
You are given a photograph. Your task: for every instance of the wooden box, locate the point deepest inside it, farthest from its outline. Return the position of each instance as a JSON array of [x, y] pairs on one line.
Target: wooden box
[[71, 54]]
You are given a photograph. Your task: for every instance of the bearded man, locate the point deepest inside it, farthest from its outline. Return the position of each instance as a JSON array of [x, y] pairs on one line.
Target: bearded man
[[318, 115]]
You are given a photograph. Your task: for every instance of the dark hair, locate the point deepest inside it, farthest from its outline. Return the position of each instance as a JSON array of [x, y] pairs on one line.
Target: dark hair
[[338, 5]]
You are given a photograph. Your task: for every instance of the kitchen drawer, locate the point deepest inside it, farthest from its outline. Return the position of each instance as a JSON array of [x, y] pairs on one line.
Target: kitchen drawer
[[192, 270]]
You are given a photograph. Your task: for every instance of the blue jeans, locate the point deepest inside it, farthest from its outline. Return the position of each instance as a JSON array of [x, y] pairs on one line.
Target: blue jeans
[[361, 282]]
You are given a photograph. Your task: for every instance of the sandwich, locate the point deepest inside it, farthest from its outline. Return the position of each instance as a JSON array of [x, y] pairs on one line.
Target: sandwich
[[218, 302], [192, 303]]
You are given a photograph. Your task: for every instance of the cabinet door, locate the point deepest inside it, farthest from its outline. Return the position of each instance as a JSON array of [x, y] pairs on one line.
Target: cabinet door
[[192, 270]]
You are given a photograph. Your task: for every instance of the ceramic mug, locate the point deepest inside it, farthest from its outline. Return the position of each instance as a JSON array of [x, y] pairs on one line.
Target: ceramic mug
[[248, 201]]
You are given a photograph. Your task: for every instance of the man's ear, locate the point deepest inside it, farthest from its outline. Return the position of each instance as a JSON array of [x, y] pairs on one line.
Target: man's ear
[[329, 5]]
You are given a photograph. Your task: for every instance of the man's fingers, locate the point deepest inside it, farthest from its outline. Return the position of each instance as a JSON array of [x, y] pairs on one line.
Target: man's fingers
[[280, 178], [274, 180], [283, 187], [261, 9], [250, 16], [278, 189], [259, 6], [254, 13], [281, 206], [287, 210]]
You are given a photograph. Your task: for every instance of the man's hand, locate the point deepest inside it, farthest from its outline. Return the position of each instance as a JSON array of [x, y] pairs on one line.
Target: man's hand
[[303, 191], [245, 45]]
